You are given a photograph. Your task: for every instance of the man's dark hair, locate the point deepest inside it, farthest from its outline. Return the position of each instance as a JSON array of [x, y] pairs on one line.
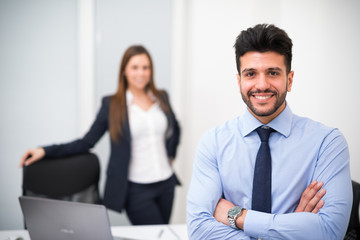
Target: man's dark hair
[[264, 38]]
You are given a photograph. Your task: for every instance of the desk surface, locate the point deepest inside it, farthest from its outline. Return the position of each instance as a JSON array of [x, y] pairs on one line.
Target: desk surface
[[149, 232]]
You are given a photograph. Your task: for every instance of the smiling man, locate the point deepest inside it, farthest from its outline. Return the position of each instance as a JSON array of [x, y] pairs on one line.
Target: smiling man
[[263, 175]]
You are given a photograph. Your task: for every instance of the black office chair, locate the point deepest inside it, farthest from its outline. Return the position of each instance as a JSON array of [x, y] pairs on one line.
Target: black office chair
[[353, 231], [72, 178]]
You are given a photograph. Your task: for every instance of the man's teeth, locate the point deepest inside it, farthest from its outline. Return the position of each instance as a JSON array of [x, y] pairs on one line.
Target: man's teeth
[[262, 97]]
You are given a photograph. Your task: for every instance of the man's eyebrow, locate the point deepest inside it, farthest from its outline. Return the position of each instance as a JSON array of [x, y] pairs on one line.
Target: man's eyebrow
[[269, 69], [248, 70], [275, 69]]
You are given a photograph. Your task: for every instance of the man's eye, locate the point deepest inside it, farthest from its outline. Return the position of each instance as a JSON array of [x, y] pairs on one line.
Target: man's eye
[[250, 74], [272, 73]]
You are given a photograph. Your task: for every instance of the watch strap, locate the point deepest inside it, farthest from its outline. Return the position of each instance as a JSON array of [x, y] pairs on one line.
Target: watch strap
[[233, 214]]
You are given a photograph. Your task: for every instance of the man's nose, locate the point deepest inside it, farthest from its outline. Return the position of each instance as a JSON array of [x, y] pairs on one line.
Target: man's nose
[[262, 82]]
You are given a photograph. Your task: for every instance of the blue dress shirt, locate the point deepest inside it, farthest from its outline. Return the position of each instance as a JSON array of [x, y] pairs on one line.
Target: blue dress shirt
[[302, 150]]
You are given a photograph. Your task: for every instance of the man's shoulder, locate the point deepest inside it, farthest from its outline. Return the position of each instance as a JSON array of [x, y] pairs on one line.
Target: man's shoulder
[[313, 127], [218, 135], [305, 122], [227, 128]]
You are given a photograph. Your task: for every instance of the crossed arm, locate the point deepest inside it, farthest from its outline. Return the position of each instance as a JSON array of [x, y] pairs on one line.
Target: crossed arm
[[312, 218], [310, 202]]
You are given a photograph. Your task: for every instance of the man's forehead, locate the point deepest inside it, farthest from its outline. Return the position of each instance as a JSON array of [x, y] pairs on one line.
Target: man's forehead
[[262, 61]]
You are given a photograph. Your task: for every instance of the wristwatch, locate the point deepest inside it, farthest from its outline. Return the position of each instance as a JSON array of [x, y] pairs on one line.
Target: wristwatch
[[233, 214]]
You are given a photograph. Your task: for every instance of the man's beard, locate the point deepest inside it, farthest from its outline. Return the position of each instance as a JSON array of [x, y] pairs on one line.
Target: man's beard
[[279, 101]]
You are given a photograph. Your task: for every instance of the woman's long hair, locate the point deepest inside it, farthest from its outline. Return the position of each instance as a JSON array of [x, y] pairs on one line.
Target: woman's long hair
[[118, 107]]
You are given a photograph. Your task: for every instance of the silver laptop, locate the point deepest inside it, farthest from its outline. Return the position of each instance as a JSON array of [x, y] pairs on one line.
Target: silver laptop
[[61, 220]]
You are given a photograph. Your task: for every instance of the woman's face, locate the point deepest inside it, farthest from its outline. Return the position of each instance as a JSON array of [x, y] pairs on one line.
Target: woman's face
[[138, 72]]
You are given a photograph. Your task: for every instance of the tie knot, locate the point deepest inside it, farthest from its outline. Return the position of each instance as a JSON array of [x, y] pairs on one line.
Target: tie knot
[[264, 133]]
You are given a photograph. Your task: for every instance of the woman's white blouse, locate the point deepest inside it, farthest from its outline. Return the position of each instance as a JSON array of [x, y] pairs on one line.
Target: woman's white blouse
[[149, 162]]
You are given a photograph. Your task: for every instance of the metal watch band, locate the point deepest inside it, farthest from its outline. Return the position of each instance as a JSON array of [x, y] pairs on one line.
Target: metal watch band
[[233, 214]]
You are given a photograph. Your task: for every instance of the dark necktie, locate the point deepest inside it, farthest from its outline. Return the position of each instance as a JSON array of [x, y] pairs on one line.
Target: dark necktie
[[261, 195]]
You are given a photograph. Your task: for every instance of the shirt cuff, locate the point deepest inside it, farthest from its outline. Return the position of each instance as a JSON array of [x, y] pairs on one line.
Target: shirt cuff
[[257, 223]]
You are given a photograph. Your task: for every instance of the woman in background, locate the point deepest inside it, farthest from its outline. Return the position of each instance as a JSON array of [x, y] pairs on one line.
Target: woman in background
[[144, 136]]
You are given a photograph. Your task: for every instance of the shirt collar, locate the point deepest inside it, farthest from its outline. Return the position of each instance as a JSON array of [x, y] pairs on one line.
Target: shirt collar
[[282, 123], [129, 97]]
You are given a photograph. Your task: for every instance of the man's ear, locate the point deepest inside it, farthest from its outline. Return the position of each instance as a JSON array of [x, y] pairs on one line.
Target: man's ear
[[290, 78], [238, 79]]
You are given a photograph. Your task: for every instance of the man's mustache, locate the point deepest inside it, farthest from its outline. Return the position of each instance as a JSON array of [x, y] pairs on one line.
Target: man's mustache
[[260, 91]]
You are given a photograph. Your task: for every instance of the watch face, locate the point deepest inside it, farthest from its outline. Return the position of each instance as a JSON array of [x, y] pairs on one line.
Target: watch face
[[234, 211]]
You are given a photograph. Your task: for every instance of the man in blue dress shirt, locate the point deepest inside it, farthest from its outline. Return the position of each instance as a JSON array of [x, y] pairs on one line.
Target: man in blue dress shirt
[[311, 193]]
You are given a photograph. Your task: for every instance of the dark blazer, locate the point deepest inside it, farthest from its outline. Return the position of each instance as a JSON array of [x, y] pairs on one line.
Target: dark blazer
[[117, 169]]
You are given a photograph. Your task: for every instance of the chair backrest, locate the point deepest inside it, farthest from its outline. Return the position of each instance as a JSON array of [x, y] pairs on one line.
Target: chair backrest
[[72, 178], [353, 231]]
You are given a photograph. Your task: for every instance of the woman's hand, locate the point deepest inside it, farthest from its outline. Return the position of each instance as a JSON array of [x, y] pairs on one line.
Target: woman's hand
[[31, 156]]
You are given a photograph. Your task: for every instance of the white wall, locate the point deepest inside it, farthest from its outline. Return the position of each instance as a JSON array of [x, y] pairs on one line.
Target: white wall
[[37, 88], [326, 57]]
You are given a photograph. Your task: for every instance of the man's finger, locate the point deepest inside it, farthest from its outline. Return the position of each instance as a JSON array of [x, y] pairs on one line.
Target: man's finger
[[318, 206], [308, 199], [315, 200], [311, 185]]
